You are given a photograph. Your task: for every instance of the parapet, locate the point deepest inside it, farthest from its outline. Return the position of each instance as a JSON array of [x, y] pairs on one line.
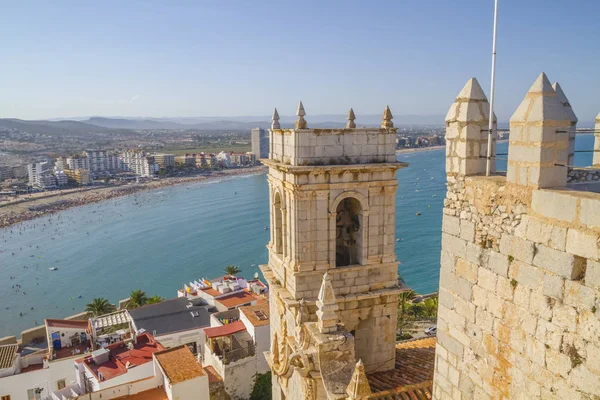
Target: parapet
[[302, 146]]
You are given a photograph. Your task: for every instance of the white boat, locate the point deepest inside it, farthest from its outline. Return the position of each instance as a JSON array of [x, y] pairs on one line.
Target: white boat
[[53, 269]]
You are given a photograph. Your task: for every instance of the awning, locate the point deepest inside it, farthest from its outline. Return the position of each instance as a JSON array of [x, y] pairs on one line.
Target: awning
[[225, 330]]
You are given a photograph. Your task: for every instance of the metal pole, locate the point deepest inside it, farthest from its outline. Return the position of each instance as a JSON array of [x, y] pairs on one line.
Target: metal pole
[[491, 121]]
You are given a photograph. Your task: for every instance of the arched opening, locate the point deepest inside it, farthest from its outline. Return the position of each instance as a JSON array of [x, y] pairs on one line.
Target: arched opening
[[348, 239], [277, 225]]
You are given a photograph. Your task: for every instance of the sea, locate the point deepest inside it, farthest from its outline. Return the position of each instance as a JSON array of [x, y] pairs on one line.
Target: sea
[[158, 240]]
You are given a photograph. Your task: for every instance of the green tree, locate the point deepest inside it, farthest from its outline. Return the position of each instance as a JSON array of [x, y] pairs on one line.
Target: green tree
[[99, 306], [232, 270], [154, 299], [137, 298], [404, 300], [431, 306], [416, 309], [262, 387]]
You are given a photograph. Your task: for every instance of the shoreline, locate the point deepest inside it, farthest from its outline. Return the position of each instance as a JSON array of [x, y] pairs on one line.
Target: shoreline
[[431, 148], [46, 204]]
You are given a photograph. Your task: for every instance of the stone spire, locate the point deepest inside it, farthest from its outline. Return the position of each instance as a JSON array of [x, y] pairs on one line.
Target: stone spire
[[358, 388], [275, 350], [301, 122], [539, 138], [562, 98], [351, 117], [275, 124], [467, 124], [565, 102], [387, 118], [327, 307]]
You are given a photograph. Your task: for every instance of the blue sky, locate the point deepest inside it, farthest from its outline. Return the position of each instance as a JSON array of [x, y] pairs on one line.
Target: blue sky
[[231, 58]]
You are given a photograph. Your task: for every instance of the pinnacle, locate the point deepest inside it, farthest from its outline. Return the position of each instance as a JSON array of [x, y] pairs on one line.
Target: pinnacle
[[541, 85], [275, 124], [387, 118], [358, 388], [564, 100], [598, 117], [351, 117], [472, 91], [300, 112]]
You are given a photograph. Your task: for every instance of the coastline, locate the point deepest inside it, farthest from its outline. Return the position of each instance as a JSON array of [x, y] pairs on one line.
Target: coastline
[[49, 203], [431, 148]]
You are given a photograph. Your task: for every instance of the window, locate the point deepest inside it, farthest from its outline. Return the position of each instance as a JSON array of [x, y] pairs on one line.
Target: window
[[35, 394], [61, 383], [348, 240]]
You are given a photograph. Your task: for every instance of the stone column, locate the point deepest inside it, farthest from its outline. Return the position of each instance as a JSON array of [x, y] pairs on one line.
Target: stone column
[[597, 141], [565, 102], [467, 133], [539, 139]]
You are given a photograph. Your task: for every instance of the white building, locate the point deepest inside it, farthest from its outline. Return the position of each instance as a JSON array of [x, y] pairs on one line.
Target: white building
[[61, 178], [139, 163], [78, 162], [224, 158], [235, 346], [101, 161], [40, 175]]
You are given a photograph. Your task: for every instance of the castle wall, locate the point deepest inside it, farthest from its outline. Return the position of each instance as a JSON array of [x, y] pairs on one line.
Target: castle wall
[[519, 299]]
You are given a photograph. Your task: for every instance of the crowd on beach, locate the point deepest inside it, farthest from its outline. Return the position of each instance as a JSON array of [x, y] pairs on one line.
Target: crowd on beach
[[52, 205]]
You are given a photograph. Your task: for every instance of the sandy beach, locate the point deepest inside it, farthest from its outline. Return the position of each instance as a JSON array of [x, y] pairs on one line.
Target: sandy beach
[[420, 149], [36, 205]]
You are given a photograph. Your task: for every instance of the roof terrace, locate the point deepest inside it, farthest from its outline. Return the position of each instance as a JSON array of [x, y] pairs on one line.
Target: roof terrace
[[120, 357]]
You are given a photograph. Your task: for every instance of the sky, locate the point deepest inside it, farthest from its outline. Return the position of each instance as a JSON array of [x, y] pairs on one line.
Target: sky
[[235, 58]]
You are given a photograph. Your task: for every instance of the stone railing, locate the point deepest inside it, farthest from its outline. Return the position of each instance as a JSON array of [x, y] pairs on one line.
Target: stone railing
[[580, 175]]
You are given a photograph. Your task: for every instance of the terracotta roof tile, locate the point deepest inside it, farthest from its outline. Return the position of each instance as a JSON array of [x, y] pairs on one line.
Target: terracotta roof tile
[[237, 299], [179, 364], [415, 362], [258, 315], [213, 375], [224, 330]]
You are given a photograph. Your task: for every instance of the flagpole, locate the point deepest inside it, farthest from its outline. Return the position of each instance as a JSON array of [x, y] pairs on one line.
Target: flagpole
[[491, 121]]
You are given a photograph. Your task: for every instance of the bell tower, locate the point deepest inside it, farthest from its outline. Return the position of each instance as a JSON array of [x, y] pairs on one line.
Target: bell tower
[[333, 213]]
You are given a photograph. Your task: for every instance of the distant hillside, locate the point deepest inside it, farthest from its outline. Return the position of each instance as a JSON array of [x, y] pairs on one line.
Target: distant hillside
[[51, 127], [249, 122]]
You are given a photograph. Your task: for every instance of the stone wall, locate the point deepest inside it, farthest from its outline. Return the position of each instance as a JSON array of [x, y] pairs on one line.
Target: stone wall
[[583, 175], [519, 300], [333, 146]]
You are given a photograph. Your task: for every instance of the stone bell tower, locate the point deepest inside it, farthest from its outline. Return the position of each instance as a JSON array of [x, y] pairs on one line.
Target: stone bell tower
[[332, 271]]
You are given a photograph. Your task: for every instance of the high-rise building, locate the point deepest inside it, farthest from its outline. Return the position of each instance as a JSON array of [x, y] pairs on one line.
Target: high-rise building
[[260, 143], [165, 160], [78, 162], [38, 175], [332, 269], [139, 163]]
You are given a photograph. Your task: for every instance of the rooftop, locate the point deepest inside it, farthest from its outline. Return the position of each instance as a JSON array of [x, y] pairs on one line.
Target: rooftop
[[152, 394], [413, 370], [225, 330], [237, 299], [172, 316], [7, 355], [122, 358], [179, 364], [213, 375], [258, 315], [67, 323]]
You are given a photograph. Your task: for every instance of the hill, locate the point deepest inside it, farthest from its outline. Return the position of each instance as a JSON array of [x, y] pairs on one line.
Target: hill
[[56, 128]]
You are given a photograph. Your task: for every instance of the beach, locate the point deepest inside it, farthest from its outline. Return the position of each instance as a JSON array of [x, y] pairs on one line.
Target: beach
[[420, 149], [36, 205]]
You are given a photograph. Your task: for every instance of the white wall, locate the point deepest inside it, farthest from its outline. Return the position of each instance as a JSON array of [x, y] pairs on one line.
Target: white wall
[[262, 342], [124, 390], [17, 385], [184, 337], [196, 388], [239, 378]]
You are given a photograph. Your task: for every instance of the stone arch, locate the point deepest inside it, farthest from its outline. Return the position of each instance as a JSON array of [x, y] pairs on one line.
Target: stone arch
[[348, 229]]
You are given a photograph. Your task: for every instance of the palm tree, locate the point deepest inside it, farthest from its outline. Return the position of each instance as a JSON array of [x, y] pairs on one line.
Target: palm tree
[[232, 270], [137, 298], [404, 299], [154, 299], [99, 306]]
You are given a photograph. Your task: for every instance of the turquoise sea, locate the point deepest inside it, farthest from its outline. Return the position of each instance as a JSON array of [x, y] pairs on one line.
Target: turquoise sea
[[157, 240]]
